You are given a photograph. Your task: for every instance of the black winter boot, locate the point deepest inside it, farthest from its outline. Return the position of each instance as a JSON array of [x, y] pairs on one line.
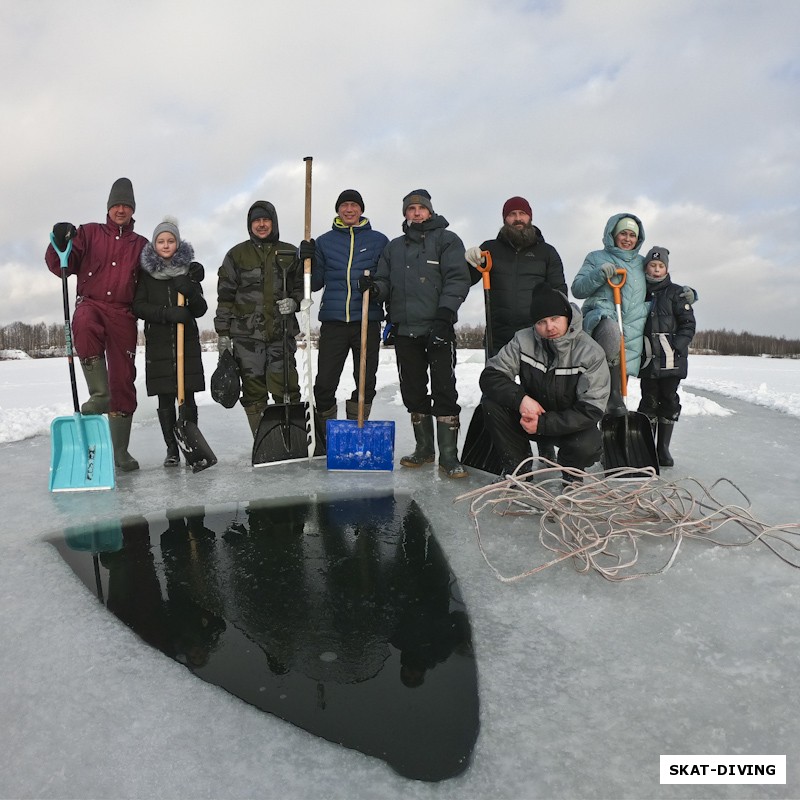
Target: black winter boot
[[665, 428], [120, 425], [447, 436], [423, 433], [168, 418], [96, 373], [616, 405]]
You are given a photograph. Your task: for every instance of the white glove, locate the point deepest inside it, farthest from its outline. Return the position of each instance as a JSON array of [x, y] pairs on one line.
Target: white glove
[[223, 343], [474, 256], [286, 306], [305, 305]]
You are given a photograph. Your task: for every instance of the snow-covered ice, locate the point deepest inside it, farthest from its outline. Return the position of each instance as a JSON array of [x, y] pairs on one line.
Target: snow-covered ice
[[583, 683]]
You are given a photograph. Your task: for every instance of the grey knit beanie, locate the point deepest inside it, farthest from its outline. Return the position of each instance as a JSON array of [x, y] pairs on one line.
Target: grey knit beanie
[[419, 196], [168, 225], [657, 254], [121, 194]]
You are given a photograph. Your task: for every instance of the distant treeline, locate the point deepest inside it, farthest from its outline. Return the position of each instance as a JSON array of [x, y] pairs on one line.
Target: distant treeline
[[42, 340]]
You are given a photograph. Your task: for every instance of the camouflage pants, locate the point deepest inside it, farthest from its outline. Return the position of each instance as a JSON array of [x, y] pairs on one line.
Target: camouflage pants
[[261, 369]]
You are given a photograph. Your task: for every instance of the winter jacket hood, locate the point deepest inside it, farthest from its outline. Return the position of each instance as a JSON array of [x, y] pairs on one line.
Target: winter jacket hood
[[271, 214]]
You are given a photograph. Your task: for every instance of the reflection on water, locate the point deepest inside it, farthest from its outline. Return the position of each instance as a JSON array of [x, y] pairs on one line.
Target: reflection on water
[[342, 617]]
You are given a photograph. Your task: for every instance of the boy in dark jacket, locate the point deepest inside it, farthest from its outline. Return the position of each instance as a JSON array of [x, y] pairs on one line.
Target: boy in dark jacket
[[422, 276], [668, 331], [169, 268], [340, 258]]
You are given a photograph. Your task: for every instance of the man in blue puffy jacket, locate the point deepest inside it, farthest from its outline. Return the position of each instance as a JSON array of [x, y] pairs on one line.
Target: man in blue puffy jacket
[[340, 258]]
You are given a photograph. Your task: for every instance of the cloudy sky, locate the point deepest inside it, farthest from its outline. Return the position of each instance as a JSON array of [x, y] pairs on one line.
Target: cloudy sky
[[681, 111]]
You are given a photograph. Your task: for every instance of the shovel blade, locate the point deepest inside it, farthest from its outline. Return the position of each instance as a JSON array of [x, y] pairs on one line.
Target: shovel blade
[[82, 455], [354, 449], [282, 436], [195, 448], [478, 450], [628, 444]]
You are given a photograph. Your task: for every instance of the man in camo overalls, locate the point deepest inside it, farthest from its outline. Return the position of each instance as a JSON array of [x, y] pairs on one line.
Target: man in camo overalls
[[259, 289]]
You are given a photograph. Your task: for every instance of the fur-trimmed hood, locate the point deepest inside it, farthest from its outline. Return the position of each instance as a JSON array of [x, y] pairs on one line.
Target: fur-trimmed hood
[[154, 265]]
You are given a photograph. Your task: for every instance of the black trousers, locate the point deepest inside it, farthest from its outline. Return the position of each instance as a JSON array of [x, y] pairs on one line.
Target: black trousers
[[579, 449], [415, 357], [336, 341]]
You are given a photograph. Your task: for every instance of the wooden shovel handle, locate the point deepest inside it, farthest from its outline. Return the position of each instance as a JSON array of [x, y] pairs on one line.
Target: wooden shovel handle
[[617, 289], [180, 337], [362, 358]]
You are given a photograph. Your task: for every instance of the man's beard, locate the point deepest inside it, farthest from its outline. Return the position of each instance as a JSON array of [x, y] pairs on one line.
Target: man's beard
[[519, 237]]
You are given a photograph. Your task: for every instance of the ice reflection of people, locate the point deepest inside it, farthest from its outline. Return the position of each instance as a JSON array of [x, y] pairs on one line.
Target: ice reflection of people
[[134, 593], [267, 593], [428, 631], [193, 605]]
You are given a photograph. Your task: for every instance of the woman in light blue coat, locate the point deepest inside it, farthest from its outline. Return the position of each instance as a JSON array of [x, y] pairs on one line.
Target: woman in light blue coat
[[622, 240]]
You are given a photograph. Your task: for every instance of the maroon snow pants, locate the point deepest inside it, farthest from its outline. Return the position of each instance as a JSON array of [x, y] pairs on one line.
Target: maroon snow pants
[[103, 329]]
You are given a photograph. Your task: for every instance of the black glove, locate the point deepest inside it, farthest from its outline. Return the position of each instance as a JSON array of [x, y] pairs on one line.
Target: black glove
[[366, 283], [306, 250], [442, 329], [176, 314], [186, 286], [62, 233]]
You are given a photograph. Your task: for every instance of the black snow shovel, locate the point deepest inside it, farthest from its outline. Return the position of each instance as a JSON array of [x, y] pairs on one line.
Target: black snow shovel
[[281, 435], [627, 439], [195, 449], [478, 451], [82, 454]]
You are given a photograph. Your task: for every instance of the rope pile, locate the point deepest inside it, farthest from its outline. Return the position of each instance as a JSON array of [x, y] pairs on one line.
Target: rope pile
[[601, 519]]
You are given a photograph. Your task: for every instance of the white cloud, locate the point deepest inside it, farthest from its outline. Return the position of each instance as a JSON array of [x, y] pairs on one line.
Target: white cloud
[[683, 112]]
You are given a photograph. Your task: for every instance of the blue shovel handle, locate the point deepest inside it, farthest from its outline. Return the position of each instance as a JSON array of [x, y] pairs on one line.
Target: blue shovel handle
[[63, 255]]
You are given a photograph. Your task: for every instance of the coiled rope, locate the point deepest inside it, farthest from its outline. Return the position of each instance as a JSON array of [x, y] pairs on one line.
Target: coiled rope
[[602, 519]]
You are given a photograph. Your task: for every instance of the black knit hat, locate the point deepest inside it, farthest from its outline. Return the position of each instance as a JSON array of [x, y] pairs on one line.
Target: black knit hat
[[351, 196], [548, 302], [121, 194], [657, 254], [420, 197]]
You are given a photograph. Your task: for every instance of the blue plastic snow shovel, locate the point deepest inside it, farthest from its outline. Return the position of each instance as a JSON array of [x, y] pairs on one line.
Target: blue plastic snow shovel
[[353, 445], [82, 455]]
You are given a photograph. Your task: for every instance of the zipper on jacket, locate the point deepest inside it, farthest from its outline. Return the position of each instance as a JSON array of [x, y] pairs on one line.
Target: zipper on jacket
[[349, 285]]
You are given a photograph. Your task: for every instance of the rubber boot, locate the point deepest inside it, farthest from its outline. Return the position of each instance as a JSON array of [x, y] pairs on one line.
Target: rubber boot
[[167, 418], [96, 373], [423, 433], [331, 413], [447, 436], [616, 405], [665, 428], [351, 409], [254, 414], [120, 425]]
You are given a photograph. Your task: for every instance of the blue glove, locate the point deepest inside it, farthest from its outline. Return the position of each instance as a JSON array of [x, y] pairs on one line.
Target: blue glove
[[689, 295], [389, 334]]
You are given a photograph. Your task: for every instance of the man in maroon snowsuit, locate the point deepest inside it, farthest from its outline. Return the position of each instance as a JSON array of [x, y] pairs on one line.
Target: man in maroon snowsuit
[[105, 259]]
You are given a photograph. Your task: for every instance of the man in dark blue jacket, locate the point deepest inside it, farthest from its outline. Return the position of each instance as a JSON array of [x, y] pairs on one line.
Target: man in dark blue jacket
[[340, 258]]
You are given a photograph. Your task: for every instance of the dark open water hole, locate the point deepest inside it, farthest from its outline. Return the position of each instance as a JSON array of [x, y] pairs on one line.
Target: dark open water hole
[[342, 617]]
